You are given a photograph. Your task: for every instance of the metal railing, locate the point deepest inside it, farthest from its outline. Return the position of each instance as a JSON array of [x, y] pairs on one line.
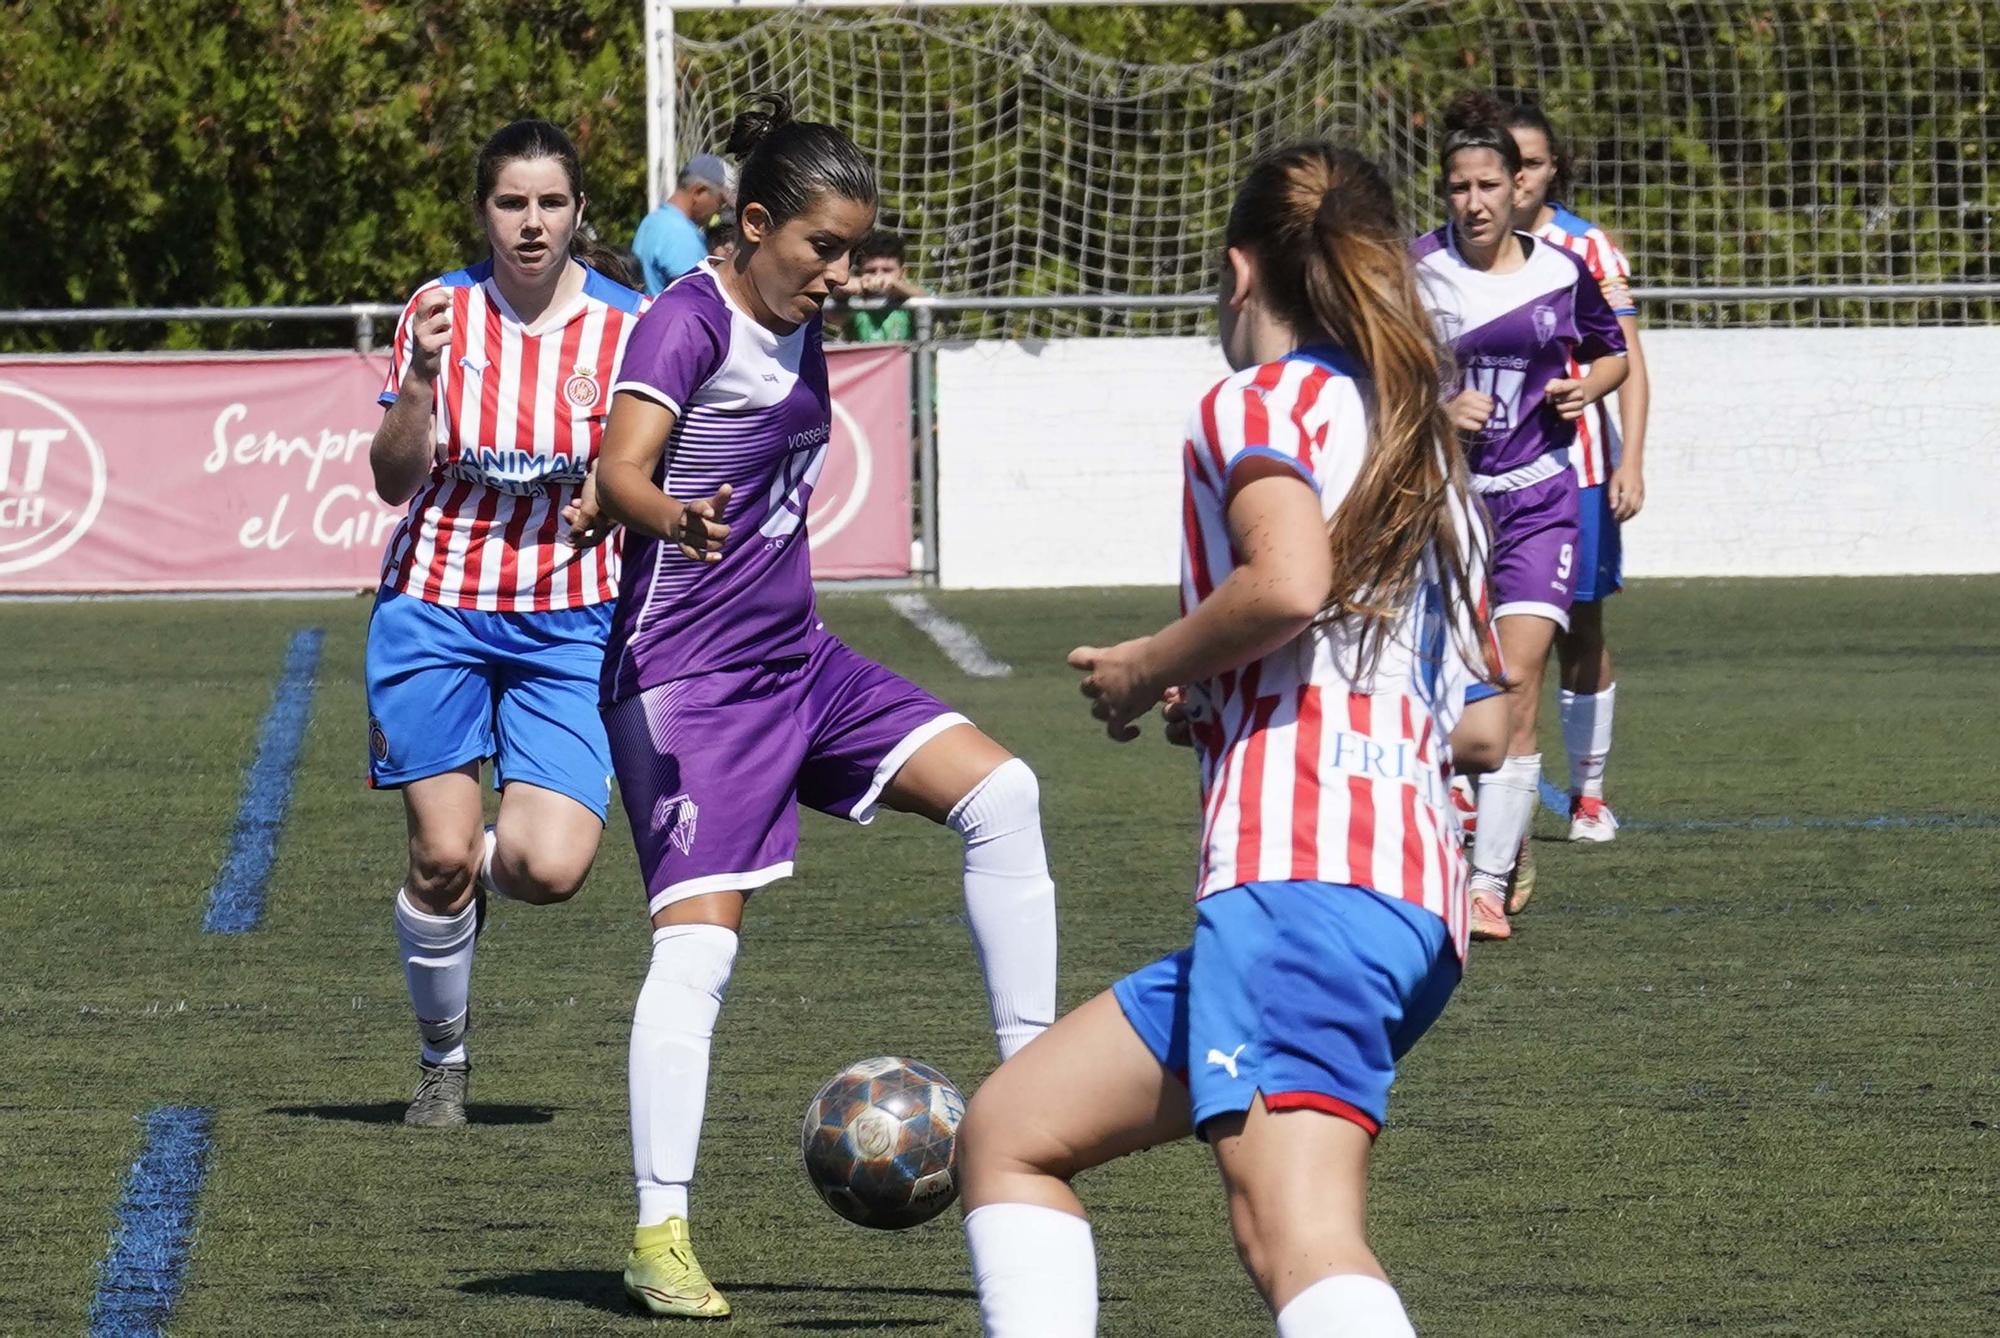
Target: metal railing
[[926, 310]]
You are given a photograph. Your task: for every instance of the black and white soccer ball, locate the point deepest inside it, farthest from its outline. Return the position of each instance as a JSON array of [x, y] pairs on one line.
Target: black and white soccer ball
[[881, 1142]]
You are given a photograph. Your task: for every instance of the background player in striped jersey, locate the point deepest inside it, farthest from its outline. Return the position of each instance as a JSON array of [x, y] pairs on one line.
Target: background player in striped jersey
[[1328, 635], [728, 704], [1517, 313], [489, 628], [1609, 457]]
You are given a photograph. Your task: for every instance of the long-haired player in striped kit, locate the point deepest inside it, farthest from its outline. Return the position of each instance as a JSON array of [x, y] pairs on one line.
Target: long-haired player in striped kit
[[728, 703], [1609, 458], [1520, 314], [1330, 587], [489, 628]]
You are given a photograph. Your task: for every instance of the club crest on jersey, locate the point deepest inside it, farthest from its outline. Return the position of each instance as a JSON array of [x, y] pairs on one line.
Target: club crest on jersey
[[581, 388], [1545, 323], [378, 742], [678, 813]]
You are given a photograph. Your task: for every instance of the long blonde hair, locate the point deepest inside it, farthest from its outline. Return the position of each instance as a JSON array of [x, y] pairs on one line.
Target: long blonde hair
[[1321, 222]]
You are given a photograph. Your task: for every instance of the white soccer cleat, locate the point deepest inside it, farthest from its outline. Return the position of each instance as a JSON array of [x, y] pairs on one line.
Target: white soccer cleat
[[1591, 819]]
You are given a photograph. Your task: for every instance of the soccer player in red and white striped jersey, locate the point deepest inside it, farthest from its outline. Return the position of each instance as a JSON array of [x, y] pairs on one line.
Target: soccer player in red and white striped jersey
[[1330, 631], [1609, 457], [489, 629]]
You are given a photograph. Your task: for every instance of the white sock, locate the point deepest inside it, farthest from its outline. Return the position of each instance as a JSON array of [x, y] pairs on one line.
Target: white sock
[[437, 966], [671, 1030], [1586, 722], [1036, 1271], [1010, 901], [1507, 800], [1346, 1305]]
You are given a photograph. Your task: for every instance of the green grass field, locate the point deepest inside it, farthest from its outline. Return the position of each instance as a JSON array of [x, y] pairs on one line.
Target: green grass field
[[1727, 1076]]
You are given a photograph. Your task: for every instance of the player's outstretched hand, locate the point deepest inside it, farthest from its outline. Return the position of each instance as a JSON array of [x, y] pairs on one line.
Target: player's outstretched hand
[[1628, 492], [588, 526], [701, 532], [1118, 684], [1469, 410], [1568, 397], [430, 331], [1174, 714]]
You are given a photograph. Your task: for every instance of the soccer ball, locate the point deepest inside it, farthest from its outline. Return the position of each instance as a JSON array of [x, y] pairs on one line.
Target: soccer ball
[[881, 1142]]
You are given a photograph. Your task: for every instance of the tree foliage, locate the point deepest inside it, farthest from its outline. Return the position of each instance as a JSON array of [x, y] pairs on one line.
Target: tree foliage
[[285, 151]]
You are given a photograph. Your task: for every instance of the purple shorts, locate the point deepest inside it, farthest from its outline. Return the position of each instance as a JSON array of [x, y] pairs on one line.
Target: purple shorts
[[713, 768], [1534, 549]]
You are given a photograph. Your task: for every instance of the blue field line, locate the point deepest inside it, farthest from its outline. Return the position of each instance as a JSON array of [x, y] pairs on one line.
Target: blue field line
[[140, 1279], [1554, 799], [236, 902]]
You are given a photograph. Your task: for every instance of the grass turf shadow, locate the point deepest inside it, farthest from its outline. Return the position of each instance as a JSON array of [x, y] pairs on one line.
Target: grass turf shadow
[[391, 1112]]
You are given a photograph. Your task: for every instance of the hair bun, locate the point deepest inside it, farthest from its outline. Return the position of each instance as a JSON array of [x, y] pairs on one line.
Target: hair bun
[[1473, 108], [767, 112]]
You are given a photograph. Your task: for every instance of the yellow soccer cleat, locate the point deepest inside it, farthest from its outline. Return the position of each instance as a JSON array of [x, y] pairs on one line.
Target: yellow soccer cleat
[[663, 1277], [1523, 885]]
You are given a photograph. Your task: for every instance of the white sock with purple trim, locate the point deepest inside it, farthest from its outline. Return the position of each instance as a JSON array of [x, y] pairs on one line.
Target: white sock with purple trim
[[1010, 901]]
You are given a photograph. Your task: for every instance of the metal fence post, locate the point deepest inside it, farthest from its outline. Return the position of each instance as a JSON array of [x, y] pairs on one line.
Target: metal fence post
[[364, 332], [927, 452]]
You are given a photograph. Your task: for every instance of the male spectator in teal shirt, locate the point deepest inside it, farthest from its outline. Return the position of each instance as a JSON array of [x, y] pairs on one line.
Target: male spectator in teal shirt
[[670, 241]]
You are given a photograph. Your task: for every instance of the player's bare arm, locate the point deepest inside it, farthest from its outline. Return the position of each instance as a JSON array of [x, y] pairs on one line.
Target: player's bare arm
[[633, 441], [1635, 398], [1267, 601], [400, 455], [1571, 396]]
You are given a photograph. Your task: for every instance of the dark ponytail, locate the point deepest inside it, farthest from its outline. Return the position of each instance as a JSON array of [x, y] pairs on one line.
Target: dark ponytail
[[786, 164], [544, 139], [1475, 119]]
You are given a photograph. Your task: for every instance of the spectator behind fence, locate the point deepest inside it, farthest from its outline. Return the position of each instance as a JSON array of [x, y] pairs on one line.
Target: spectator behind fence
[[670, 241], [879, 272]]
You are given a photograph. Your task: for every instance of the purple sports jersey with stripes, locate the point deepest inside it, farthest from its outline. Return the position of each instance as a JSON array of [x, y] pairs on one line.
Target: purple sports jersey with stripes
[[751, 409], [1512, 334]]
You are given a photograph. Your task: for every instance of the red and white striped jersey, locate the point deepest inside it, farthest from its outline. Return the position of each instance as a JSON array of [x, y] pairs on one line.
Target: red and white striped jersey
[[1596, 451], [1311, 769], [518, 414]]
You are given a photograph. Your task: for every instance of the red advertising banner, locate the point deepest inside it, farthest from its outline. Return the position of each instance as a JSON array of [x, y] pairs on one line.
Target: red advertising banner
[[251, 473]]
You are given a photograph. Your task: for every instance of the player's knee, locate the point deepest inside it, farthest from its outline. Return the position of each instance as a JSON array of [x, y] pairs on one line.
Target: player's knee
[[999, 1137], [441, 872], [1008, 799], [549, 876]]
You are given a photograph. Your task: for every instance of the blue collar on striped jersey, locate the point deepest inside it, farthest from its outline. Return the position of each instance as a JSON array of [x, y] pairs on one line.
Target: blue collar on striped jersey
[[1568, 220], [596, 285], [1332, 357]]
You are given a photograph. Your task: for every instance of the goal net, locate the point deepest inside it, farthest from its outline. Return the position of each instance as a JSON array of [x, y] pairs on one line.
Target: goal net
[[1736, 143]]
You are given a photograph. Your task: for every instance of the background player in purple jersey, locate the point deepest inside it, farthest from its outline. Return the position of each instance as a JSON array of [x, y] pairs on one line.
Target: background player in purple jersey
[[1610, 472], [727, 703], [1515, 312]]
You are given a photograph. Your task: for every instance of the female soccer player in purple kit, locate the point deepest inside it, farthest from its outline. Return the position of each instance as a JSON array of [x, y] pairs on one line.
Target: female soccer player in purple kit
[[727, 703], [1515, 311], [1609, 458]]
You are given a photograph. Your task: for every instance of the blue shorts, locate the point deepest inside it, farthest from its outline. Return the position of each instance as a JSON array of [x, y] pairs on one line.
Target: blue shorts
[[1600, 552], [447, 686], [1306, 992]]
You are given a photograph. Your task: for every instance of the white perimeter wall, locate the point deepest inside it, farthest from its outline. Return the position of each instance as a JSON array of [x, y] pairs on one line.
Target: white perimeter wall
[[1772, 453]]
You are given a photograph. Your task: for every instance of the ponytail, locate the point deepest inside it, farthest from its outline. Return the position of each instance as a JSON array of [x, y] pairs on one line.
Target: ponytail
[[787, 164], [1475, 119], [1322, 224]]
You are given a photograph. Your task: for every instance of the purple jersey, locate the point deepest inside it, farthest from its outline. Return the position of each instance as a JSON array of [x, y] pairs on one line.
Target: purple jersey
[[751, 409], [1512, 334]]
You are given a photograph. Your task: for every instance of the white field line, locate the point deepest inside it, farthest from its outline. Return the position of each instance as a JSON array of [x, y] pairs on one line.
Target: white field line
[[958, 643]]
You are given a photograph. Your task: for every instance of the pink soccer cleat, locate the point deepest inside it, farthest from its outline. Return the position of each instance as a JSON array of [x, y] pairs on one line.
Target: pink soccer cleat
[[1489, 917]]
